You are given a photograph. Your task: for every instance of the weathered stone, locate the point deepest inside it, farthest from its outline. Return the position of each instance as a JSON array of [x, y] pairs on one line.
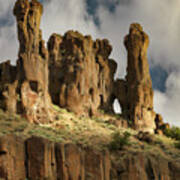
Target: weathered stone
[[41, 159], [8, 84], [161, 127], [140, 166], [145, 136], [97, 165], [24, 89], [136, 93], [12, 158], [70, 162], [81, 74]]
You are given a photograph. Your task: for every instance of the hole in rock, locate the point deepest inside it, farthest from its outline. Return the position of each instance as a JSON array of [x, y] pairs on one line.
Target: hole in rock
[[3, 153], [34, 85], [91, 91], [102, 100], [116, 107]]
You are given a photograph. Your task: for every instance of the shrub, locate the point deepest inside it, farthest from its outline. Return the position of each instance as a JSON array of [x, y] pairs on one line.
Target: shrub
[[177, 145], [173, 132], [119, 141]]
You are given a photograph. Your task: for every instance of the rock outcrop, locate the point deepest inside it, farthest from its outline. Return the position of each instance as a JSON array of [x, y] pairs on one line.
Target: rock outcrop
[[81, 73], [26, 85], [161, 127], [8, 84], [139, 166], [135, 93], [39, 159]]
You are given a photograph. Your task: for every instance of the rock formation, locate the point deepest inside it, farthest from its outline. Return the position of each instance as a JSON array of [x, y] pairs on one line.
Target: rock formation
[[81, 73], [161, 127], [135, 93], [77, 73], [27, 84], [40, 159]]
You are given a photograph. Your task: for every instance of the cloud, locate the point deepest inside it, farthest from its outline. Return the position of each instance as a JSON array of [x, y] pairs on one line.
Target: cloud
[[168, 103], [160, 19], [8, 37], [61, 16]]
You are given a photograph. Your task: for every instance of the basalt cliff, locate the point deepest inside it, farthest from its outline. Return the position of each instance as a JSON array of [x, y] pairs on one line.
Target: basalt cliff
[[75, 73]]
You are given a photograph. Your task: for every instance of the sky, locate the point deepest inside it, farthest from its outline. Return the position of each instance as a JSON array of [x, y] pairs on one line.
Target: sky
[[111, 19]]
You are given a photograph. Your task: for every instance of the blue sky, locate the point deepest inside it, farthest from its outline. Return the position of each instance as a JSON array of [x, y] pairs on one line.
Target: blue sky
[[111, 19]]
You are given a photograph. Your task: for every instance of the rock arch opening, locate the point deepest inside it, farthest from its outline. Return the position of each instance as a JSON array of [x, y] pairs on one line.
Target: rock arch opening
[[117, 107]]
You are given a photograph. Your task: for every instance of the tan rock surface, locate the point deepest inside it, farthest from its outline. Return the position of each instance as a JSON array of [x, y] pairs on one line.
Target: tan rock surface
[[81, 73], [24, 88], [136, 93], [39, 159]]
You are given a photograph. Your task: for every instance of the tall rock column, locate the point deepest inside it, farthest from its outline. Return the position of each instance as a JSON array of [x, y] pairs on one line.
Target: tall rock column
[[81, 73], [32, 65], [138, 86]]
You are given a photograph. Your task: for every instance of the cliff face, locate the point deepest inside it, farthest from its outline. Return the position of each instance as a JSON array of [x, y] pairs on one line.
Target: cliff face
[[81, 73], [40, 159]]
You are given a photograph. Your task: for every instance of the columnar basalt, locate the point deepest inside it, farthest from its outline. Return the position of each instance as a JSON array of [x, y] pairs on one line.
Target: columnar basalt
[[137, 93], [81, 73]]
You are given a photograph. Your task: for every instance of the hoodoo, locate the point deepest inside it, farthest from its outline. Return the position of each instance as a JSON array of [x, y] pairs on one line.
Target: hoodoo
[[135, 93], [25, 90]]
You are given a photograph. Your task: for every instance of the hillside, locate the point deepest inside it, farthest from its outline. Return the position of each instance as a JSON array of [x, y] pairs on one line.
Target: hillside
[[85, 148]]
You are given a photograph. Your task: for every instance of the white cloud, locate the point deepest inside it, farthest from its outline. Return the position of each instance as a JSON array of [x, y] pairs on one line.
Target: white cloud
[[8, 37], [61, 16], [168, 103], [160, 19]]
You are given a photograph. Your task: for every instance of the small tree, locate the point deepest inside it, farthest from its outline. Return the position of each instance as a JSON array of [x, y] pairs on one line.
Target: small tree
[[173, 132], [119, 140]]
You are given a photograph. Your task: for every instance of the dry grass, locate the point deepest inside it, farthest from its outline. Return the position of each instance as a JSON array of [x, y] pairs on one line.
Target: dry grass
[[95, 132]]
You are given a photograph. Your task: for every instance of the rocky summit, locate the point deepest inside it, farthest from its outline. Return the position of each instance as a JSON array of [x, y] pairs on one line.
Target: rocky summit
[[75, 74]]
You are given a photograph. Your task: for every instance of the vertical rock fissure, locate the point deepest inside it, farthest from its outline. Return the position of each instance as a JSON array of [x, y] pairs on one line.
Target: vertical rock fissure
[[26, 159]]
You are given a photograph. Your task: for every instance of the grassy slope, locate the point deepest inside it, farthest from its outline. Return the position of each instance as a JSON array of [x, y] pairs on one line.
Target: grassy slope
[[94, 132]]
